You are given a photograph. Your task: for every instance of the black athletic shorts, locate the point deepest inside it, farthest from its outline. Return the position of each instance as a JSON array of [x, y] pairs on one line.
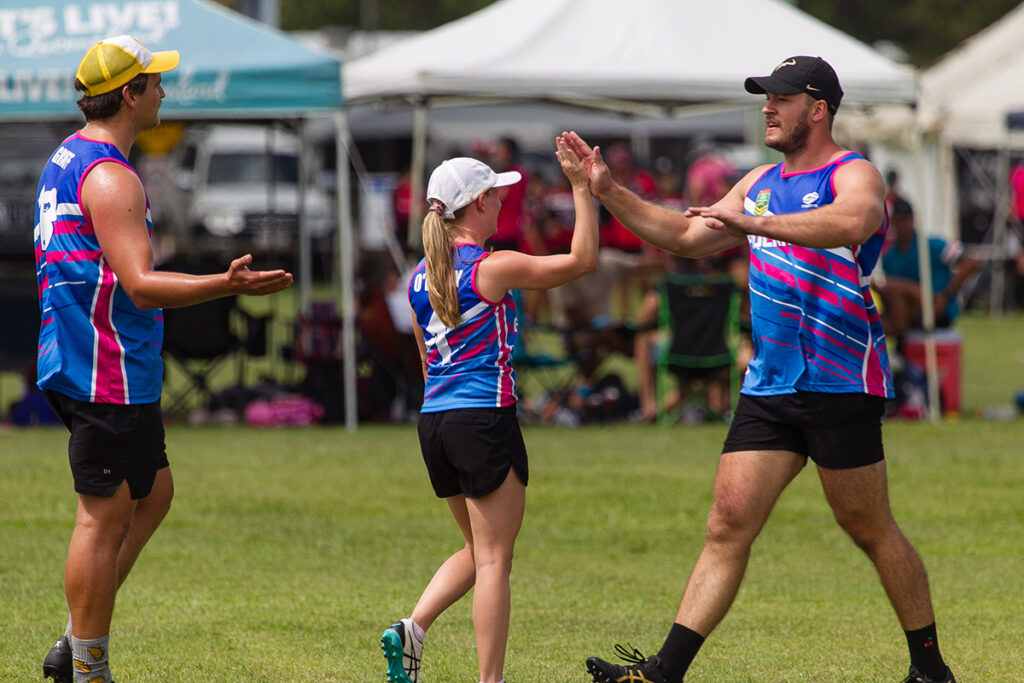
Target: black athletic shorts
[[111, 443], [470, 450], [836, 431]]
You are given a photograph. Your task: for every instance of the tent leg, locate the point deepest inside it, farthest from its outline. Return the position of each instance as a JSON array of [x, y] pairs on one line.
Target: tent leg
[[924, 265], [346, 266]]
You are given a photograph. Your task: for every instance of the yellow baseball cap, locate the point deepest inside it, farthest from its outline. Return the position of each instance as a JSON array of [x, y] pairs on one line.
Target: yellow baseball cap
[[112, 62]]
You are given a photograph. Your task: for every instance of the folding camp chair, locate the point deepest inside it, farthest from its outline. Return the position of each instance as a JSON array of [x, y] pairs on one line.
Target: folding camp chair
[[700, 316], [199, 339]]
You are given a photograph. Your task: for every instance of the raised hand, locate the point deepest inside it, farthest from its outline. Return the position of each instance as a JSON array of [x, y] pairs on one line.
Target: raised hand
[[593, 164], [572, 167]]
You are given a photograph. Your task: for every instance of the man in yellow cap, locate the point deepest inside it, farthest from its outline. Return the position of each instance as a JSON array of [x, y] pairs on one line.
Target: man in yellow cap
[[101, 335]]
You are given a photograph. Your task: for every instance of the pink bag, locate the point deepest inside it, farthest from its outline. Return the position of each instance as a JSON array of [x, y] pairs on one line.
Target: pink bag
[[283, 411]]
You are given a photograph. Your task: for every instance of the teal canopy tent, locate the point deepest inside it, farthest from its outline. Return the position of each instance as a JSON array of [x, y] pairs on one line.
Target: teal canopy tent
[[231, 68]]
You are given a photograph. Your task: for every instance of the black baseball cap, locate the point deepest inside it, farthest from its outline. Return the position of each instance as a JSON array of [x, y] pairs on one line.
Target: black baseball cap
[[811, 75]]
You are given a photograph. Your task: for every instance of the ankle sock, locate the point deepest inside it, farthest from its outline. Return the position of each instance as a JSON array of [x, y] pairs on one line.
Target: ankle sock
[[67, 630], [924, 652], [90, 660], [417, 631], [678, 652]]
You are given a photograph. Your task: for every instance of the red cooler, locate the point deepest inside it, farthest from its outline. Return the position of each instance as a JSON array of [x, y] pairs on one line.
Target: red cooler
[[947, 356]]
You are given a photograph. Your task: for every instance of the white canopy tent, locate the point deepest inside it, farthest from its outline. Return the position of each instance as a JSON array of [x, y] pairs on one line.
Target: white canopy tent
[[606, 53], [643, 56], [967, 98]]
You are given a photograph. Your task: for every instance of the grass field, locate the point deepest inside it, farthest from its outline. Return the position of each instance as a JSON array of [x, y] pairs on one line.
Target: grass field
[[288, 551]]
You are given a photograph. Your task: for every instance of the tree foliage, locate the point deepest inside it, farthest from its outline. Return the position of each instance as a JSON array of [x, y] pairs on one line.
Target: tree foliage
[[392, 15], [925, 29]]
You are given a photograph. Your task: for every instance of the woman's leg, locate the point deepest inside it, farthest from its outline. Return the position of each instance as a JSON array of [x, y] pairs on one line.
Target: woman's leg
[[495, 520], [454, 578]]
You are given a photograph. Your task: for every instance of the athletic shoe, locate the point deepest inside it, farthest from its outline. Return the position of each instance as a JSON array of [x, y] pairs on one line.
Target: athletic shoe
[[917, 677], [57, 663], [403, 652], [639, 669]]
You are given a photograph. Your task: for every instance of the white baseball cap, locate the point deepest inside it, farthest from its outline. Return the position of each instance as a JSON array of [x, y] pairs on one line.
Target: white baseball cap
[[457, 182]]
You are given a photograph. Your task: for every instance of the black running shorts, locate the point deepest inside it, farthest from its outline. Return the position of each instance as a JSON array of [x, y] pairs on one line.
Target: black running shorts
[[836, 431], [111, 443], [471, 450]]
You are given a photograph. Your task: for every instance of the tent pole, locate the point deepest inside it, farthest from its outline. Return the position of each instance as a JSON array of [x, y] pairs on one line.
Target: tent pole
[[305, 245], [417, 171], [999, 219], [346, 266], [924, 265]]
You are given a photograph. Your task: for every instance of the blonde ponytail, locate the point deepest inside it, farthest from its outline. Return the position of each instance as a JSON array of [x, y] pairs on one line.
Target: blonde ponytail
[[437, 247]]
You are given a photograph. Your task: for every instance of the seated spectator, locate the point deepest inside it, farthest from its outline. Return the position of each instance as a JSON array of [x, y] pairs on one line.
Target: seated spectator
[[901, 291], [649, 339], [388, 343]]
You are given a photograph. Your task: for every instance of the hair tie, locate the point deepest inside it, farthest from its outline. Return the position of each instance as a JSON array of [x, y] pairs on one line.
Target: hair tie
[[437, 208]]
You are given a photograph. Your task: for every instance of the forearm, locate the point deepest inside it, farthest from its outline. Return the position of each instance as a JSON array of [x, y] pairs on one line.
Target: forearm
[[655, 224], [585, 238], [827, 227], [161, 289]]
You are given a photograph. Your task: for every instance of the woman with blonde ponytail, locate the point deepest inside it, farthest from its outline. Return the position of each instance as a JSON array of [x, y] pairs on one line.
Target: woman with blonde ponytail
[[466, 327]]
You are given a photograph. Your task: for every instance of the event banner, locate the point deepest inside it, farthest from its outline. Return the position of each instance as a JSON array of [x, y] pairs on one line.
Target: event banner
[[229, 63]]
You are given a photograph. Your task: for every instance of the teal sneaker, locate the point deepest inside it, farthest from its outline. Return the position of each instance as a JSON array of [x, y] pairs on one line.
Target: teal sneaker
[[402, 651]]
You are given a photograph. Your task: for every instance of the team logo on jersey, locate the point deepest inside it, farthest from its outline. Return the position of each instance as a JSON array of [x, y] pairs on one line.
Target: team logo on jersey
[[810, 201], [761, 203]]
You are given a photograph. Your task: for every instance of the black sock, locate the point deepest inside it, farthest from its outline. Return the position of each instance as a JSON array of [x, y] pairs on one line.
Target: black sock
[[678, 652], [924, 652]]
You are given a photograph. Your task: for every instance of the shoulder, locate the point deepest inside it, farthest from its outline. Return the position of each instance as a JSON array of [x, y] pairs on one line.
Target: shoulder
[[112, 183], [859, 173], [754, 175]]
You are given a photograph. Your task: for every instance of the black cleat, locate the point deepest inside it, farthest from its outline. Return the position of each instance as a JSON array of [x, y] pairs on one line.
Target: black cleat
[[57, 663], [917, 677], [638, 669]]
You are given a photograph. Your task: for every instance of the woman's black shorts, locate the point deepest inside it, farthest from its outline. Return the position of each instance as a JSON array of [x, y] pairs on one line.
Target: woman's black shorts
[[470, 450]]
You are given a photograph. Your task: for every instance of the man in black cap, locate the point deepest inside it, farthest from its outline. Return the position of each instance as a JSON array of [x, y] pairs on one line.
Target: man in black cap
[[817, 384]]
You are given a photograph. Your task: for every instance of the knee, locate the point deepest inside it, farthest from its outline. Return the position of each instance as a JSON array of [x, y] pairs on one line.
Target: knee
[[103, 530], [728, 523], [496, 560], [866, 532]]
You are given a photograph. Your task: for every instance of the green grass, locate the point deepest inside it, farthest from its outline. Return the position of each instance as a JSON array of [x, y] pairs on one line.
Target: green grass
[[287, 551]]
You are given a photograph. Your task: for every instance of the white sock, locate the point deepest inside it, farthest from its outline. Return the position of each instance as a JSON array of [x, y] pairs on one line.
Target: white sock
[[417, 631]]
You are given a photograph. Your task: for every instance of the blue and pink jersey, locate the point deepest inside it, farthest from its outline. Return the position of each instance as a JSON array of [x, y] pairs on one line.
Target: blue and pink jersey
[[815, 325], [468, 366], [94, 344]]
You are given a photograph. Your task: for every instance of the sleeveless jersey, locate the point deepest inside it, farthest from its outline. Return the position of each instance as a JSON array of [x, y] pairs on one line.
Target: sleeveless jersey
[[815, 325], [94, 344], [468, 366]]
